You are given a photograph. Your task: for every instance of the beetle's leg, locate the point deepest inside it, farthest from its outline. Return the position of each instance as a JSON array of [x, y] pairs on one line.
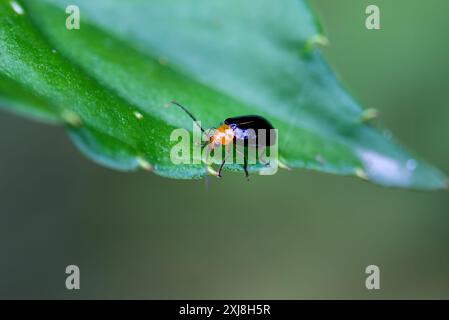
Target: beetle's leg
[[227, 154], [245, 166], [245, 162]]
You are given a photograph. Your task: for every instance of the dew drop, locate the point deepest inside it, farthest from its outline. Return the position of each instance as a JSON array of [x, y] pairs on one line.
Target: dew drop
[[138, 115], [53, 51], [411, 165], [17, 7]]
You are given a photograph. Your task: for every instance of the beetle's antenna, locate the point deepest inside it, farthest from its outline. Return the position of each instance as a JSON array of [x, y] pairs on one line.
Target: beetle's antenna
[[188, 112]]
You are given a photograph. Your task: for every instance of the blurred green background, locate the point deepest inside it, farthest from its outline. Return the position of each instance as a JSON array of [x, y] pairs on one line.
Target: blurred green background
[[294, 235]]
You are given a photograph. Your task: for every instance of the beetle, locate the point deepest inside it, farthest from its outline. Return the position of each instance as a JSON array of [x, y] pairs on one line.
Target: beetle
[[241, 129]]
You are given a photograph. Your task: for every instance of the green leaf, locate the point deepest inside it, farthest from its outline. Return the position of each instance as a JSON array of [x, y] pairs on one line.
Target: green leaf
[[109, 82]]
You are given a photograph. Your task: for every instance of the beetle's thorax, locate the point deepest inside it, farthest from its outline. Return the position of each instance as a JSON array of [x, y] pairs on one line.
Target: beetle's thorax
[[223, 135]]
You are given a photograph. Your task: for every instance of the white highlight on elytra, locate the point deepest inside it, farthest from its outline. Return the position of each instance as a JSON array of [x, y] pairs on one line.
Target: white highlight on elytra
[[138, 115], [17, 8]]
